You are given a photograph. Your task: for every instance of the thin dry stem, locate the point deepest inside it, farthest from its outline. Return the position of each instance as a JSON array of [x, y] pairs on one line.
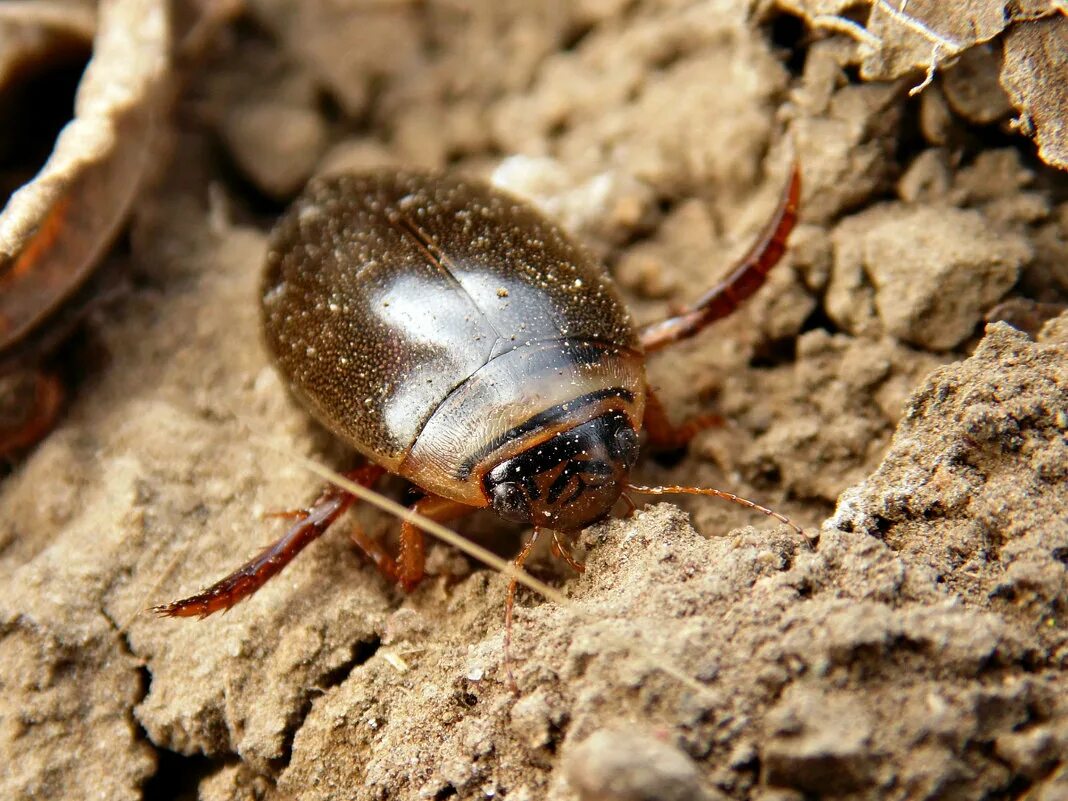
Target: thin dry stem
[[426, 524]]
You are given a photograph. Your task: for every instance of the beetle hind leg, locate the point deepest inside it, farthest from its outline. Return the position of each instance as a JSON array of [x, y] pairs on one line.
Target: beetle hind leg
[[247, 579], [745, 278]]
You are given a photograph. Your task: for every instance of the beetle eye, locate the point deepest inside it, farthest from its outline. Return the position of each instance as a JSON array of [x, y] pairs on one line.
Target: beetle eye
[[510, 502], [626, 446]]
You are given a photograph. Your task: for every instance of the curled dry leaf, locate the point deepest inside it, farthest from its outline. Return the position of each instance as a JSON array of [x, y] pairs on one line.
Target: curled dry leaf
[[900, 38], [44, 47], [1035, 74], [927, 33], [54, 230]]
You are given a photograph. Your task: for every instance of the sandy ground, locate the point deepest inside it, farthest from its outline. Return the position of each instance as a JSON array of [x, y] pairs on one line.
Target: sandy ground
[[920, 649]]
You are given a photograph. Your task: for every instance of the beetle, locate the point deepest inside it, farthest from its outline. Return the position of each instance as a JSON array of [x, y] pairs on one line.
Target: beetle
[[454, 336]]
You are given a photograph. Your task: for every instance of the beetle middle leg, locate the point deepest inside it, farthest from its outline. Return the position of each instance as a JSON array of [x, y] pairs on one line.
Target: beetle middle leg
[[247, 579], [745, 278], [407, 569]]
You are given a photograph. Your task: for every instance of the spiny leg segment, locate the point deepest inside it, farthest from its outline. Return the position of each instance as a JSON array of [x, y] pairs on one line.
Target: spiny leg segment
[[247, 579], [747, 276]]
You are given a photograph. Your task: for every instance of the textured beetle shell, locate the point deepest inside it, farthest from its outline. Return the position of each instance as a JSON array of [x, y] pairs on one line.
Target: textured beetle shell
[[384, 292]]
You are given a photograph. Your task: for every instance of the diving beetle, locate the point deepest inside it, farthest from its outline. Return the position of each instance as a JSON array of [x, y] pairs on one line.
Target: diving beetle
[[454, 336]]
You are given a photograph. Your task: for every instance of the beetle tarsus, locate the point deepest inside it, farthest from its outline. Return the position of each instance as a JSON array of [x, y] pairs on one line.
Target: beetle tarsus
[[560, 550]]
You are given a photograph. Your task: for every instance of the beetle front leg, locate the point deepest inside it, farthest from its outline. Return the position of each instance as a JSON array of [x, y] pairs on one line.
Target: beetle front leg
[[745, 278], [509, 606]]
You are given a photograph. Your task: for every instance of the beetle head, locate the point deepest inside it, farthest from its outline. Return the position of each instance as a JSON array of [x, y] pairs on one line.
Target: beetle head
[[568, 481]]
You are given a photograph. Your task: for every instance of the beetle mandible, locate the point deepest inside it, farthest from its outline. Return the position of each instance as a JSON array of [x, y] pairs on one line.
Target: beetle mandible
[[454, 336]]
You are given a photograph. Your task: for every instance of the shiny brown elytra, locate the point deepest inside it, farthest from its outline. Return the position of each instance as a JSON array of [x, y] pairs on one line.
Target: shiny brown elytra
[[454, 336]]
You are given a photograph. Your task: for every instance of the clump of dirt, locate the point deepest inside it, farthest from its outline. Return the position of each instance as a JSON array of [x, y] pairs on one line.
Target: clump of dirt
[[926, 626], [995, 56], [917, 647]]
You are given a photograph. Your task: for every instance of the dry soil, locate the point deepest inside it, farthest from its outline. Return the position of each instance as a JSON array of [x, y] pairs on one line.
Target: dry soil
[[917, 647]]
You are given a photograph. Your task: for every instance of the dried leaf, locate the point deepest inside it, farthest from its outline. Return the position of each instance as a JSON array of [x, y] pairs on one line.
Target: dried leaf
[[928, 32], [901, 37], [30, 32], [1035, 74], [55, 229]]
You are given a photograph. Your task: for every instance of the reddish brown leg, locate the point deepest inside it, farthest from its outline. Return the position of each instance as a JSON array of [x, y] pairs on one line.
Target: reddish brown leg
[[509, 605], [411, 557], [285, 514], [35, 399], [663, 436], [376, 552], [243, 582], [408, 568], [741, 282], [561, 551]]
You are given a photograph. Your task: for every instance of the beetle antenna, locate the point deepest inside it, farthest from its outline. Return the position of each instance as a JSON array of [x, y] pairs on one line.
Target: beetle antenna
[[727, 496]]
